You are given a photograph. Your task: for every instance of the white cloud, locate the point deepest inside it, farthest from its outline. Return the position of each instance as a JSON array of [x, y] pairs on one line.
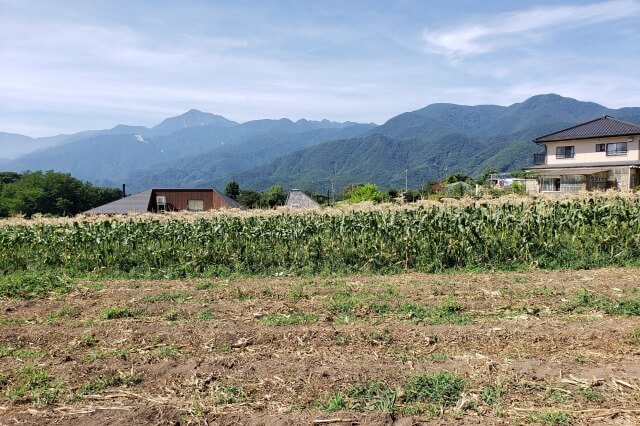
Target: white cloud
[[517, 27]]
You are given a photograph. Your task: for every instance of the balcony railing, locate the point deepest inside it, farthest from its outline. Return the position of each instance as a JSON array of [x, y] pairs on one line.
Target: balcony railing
[[539, 159]]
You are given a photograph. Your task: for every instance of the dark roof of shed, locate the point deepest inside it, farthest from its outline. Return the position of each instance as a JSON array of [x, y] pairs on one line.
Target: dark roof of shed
[[136, 203], [606, 126], [230, 202]]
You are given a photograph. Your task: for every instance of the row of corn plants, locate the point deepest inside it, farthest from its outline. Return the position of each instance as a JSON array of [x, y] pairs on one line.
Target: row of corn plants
[[548, 234]]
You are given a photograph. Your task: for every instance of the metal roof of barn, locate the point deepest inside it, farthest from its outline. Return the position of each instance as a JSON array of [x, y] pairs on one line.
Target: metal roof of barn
[[136, 203], [606, 126], [299, 200]]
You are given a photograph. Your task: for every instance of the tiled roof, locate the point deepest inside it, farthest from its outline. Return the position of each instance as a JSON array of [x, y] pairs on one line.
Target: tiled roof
[[601, 127], [299, 200], [136, 203], [624, 163]]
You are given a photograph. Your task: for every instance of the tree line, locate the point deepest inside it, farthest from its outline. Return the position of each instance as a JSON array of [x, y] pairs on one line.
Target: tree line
[[49, 193]]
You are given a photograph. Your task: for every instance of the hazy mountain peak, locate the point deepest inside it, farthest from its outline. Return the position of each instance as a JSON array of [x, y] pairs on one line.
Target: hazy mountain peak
[[191, 118]]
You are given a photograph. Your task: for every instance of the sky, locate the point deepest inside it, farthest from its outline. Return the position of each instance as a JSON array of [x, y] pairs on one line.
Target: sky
[[67, 66]]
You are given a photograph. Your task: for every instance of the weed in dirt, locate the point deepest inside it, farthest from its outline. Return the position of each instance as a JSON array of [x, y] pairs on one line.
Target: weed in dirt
[[298, 293], [342, 302], [291, 318], [33, 384], [581, 359], [102, 382], [380, 308], [335, 403], [552, 418], [636, 333], [18, 353], [442, 388], [558, 395], [341, 339], [116, 312], [229, 394], [382, 337], [448, 312], [205, 286], [88, 340], [206, 315], [173, 315], [543, 291], [362, 397], [12, 321], [586, 299], [591, 395], [520, 279], [492, 395], [101, 354], [166, 352], [95, 287], [65, 311], [439, 356], [176, 296], [241, 295]]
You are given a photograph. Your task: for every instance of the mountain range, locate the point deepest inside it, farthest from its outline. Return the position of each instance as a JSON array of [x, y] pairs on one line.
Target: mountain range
[[199, 149]]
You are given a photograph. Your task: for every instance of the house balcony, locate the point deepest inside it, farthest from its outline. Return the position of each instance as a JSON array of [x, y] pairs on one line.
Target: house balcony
[[539, 159]]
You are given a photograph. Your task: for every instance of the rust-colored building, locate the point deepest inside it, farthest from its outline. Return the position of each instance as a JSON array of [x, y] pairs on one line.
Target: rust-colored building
[[169, 199]]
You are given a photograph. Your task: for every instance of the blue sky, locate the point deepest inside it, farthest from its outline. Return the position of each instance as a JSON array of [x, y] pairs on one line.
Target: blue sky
[[67, 66]]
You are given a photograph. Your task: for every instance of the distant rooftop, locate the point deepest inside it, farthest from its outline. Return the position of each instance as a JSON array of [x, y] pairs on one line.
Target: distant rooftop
[[300, 200], [606, 126]]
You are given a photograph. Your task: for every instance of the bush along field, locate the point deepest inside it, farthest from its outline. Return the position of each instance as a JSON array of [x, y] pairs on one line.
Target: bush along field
[[578, 233]]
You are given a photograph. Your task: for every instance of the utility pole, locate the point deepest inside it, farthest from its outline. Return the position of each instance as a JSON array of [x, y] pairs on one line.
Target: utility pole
[[406, 180]]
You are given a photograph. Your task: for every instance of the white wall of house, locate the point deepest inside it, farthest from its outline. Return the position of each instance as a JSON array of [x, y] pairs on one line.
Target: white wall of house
[[585, 151]]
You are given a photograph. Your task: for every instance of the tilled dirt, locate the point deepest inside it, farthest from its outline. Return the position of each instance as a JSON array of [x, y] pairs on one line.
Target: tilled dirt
[[275, 350]]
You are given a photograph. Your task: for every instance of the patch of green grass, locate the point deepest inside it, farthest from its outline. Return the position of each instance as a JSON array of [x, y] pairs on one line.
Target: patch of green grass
[[335, 403], [166, 352], [442, 388], [205, 286], [361, 397], [380, 308], [175, 296], [586, 299], [492, 395], [206, 315], [447, 312], [378, 337], [439, 356], [291, 318], [65, 311], [31, 285], [88, 339], [116, 312], [18, 353], [591, 395], [100, 354], [12, 321], [102, 382], [173, 315], [241, 294], [298, 293], [552, 418], [557, 395], [95, 287], [229, 394], [33, 384], [342, 302]]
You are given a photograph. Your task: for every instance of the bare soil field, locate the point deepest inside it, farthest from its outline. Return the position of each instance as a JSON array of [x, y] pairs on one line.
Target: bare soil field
[[467, 348]]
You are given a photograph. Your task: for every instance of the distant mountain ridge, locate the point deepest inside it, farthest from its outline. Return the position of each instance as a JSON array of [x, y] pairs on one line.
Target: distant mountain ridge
[[203, 149]]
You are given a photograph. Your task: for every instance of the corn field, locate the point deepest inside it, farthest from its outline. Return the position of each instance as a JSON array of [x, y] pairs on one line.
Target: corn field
[[578, 233]]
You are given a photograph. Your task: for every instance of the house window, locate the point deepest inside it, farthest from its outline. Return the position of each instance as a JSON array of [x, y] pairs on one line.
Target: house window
[[550, 184], [195, 205], [601, 147], [565, 152], [619, 148]]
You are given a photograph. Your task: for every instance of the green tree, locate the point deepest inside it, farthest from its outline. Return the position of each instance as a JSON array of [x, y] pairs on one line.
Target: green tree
[[275, 196], [250, 199], [459, 177], [232, 190], [366, 192], [50, 193]]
